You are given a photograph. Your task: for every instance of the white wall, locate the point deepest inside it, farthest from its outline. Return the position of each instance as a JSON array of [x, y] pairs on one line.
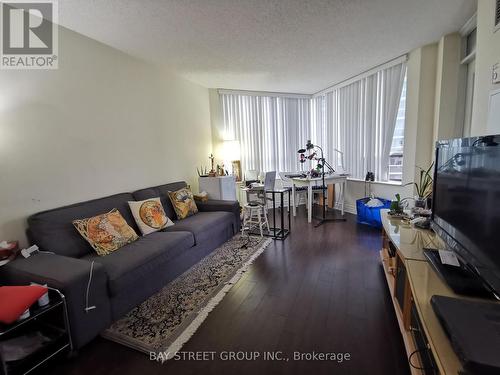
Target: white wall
[[103, 123], [487, 54], [450, 79], [217, 123]]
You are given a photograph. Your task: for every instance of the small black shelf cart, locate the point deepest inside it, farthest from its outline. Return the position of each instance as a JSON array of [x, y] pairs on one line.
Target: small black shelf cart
[[281, 232], [27, 344]]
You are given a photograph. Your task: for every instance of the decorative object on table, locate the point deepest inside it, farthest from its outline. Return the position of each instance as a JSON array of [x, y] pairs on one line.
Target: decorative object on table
[[221, 171], [368, 211], [418, 211], [8, 251], [397, 207], [20, 299], [106, 232], [369, 178], [183, 202], [421, 222], [168, 319], [202, 171], [321, 166], [212, 172], [398, 215], [149, 215], [201, 196], [236, 164], [424, 186]]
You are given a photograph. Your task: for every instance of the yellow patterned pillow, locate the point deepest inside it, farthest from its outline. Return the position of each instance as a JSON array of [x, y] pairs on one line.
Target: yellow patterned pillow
[[107, 232], [183, 202]]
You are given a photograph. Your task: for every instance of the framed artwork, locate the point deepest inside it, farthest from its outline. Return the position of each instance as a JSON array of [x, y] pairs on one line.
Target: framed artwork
[[237, 169]]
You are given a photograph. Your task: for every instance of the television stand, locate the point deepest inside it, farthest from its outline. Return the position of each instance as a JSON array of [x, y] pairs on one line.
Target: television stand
[[460, 279]]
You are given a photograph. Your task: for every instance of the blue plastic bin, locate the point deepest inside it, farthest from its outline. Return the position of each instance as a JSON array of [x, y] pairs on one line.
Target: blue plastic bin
[[370, 215]]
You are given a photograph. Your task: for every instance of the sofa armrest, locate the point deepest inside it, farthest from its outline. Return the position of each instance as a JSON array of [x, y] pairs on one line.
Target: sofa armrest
[[219, 205], [71, 277]]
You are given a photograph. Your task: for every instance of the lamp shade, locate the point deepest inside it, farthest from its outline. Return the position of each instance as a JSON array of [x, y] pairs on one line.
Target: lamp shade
[[231, 150]]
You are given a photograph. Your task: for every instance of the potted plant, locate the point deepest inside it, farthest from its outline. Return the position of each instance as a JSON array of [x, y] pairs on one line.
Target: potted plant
[[423, 187], [396, 206]]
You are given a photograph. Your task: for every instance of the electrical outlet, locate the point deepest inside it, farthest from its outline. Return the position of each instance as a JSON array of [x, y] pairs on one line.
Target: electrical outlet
[[495, 73]]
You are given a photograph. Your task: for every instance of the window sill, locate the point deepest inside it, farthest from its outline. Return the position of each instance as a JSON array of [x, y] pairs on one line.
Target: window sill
[[390, 183]]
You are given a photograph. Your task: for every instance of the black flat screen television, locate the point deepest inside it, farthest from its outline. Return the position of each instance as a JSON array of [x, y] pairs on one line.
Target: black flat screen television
[[466, 203]]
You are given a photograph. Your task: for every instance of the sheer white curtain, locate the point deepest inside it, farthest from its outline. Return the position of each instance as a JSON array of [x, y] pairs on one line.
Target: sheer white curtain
[[270, 129], [359, 119]]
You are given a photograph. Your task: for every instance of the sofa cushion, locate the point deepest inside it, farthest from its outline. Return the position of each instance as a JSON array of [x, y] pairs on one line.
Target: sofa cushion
[[203, 225], [183, 202], [127, 266], [53, 230], [106, 232], [162, 192], [149, 215]]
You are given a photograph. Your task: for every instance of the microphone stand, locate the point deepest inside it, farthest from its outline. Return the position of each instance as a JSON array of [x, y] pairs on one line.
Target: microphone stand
[[323, 188]]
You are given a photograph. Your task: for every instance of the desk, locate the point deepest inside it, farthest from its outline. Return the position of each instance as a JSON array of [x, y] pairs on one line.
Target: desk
[[318, 181]]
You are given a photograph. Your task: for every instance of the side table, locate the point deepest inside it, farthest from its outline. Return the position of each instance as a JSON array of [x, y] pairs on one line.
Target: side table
[[27, 344]]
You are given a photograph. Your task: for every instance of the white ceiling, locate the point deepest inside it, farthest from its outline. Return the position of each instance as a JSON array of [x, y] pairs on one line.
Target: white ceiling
[[288, 46]]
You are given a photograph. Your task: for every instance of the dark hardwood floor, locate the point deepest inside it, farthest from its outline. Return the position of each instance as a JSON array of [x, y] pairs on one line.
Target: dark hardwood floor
[[321, 290]]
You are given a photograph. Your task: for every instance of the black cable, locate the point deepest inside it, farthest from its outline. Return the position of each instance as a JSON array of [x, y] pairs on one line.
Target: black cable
[[415, 367]]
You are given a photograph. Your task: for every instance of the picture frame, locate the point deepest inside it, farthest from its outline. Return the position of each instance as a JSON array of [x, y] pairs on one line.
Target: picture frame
[[236, 166]]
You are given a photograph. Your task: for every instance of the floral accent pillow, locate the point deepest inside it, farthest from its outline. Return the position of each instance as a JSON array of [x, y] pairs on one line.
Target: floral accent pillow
[[149, 215], [183, 202], [106, 232]]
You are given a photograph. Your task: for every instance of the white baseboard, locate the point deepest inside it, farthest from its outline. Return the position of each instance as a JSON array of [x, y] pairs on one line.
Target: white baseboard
[[349, 208]]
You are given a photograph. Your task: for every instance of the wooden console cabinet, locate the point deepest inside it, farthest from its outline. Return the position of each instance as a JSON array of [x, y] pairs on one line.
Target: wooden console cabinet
[[412, 282]]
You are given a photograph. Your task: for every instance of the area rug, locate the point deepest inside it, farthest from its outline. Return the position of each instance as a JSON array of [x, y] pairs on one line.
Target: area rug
[[168, 319]]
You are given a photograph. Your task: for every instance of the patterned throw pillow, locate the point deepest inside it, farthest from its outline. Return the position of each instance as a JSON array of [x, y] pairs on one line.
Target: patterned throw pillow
[[149, 215], [183, 202], [107, 232]]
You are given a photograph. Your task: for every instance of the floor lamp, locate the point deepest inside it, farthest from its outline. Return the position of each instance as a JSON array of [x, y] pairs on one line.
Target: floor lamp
[[321, 162]]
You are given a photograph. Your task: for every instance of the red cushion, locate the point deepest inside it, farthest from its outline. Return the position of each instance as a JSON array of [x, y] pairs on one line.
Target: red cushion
[[14, 300]]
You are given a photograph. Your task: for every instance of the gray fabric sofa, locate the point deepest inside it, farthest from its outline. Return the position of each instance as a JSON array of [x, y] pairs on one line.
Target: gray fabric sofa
[[124, 278]]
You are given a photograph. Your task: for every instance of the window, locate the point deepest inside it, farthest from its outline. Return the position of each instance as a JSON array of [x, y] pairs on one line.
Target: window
[[270, 129], [363, 119], [396, 155], [469, 41]]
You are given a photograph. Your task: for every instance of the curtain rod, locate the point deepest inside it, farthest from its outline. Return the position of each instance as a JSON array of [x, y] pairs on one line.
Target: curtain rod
[[264, 93], [366, 73]]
